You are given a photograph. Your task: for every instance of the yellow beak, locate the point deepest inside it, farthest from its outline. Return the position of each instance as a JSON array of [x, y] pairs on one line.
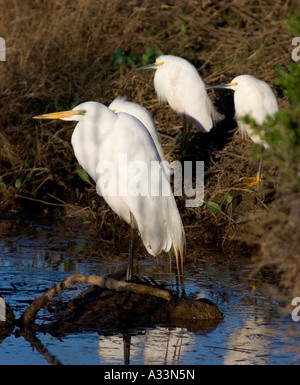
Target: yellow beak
[[230, 85], [61, 114]]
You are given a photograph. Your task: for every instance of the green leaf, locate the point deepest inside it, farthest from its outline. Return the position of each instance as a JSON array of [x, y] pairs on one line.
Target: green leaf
[[111, 226], [2, 183], [150, 55], [213, 206], [228, 198], [76, 100], [84, 175], [18, 182], [183, 28], [178, 136], [222, 223]]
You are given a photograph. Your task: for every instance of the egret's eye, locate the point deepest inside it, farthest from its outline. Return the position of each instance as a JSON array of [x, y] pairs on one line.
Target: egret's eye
[[78, 112], [234, 84]]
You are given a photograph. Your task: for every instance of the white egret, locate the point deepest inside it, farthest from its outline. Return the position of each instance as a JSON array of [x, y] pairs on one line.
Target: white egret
[[99, 138], [178, 83], [121, 104], [253, 98]]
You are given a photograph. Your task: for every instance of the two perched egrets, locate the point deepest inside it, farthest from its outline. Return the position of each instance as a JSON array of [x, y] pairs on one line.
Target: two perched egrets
[[177, 82]]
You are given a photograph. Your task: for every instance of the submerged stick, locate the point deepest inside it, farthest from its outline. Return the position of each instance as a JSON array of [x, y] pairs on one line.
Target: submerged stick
[[105, 283]]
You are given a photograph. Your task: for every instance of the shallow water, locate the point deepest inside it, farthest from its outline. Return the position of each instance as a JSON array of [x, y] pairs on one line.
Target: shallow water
[[35, 254]]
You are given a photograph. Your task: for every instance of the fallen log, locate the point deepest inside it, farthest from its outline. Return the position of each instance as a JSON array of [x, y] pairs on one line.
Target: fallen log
[[112, 304], [106, 283]]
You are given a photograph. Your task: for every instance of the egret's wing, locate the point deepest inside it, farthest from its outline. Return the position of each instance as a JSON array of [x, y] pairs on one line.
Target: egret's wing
[[120, 104], [270, 101], [156, 216], [189, 97], [258, 103]]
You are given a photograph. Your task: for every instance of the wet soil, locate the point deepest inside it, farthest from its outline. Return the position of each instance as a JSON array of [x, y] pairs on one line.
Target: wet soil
[[110, 311]]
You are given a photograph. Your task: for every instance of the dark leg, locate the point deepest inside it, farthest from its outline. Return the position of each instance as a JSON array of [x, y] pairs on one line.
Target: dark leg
[[129, 273], [259, 168], [186, 134], [126, 348]]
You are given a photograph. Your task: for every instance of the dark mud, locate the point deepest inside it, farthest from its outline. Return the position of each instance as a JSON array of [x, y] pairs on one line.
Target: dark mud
[[108, 311]]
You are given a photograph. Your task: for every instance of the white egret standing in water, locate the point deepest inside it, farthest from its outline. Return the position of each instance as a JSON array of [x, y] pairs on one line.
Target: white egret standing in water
[[99, 137]]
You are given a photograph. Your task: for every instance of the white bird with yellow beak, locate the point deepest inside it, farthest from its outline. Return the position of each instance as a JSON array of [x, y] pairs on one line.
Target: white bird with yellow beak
[[253, 98], [178, 82], [99, 137]]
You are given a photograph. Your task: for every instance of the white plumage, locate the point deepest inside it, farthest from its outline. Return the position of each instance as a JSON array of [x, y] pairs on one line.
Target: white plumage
[[99, 137], [121, 104], [178, 83], [255, 98]]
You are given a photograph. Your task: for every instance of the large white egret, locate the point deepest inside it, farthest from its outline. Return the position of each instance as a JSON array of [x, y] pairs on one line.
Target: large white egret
[[178, 83], [103, 140], [121, 104], [253, 98]]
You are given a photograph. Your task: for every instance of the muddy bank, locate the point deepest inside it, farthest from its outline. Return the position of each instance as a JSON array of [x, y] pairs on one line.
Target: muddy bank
[[111, 311], [110, 304]]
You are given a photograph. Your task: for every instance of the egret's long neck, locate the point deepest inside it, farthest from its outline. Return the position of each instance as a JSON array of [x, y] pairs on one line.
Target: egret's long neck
[[101, 117], [88, 135]]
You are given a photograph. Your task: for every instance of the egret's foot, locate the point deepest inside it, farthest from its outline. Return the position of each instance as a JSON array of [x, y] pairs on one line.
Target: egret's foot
[[252, 181], [171, 157]]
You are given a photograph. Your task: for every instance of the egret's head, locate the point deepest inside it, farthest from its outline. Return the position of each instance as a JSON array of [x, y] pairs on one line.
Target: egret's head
[[118, 104], [167, 61], [73, 115], [238, 83], [82, 112], [159, 63]]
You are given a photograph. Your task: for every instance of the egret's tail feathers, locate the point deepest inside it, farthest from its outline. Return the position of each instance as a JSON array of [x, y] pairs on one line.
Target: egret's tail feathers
[[162, 229], [208, 115], [177, 235], [179, 256]]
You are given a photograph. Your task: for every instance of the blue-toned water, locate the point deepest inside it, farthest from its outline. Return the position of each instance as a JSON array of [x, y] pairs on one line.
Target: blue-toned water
[[35, 254]]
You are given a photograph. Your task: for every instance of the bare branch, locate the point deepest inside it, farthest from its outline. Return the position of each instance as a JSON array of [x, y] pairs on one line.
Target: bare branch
[[106, 283]]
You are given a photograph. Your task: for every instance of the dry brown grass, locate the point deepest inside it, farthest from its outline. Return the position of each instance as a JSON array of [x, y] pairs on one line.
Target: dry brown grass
[[56, 50]]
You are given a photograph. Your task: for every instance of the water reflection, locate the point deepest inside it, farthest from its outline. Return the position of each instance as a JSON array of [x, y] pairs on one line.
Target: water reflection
[[160, 346], [250, 344], [35, 255]]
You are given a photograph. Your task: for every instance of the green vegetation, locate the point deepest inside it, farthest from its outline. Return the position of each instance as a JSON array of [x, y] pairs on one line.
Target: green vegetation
[[293, 23], [129, 59]]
